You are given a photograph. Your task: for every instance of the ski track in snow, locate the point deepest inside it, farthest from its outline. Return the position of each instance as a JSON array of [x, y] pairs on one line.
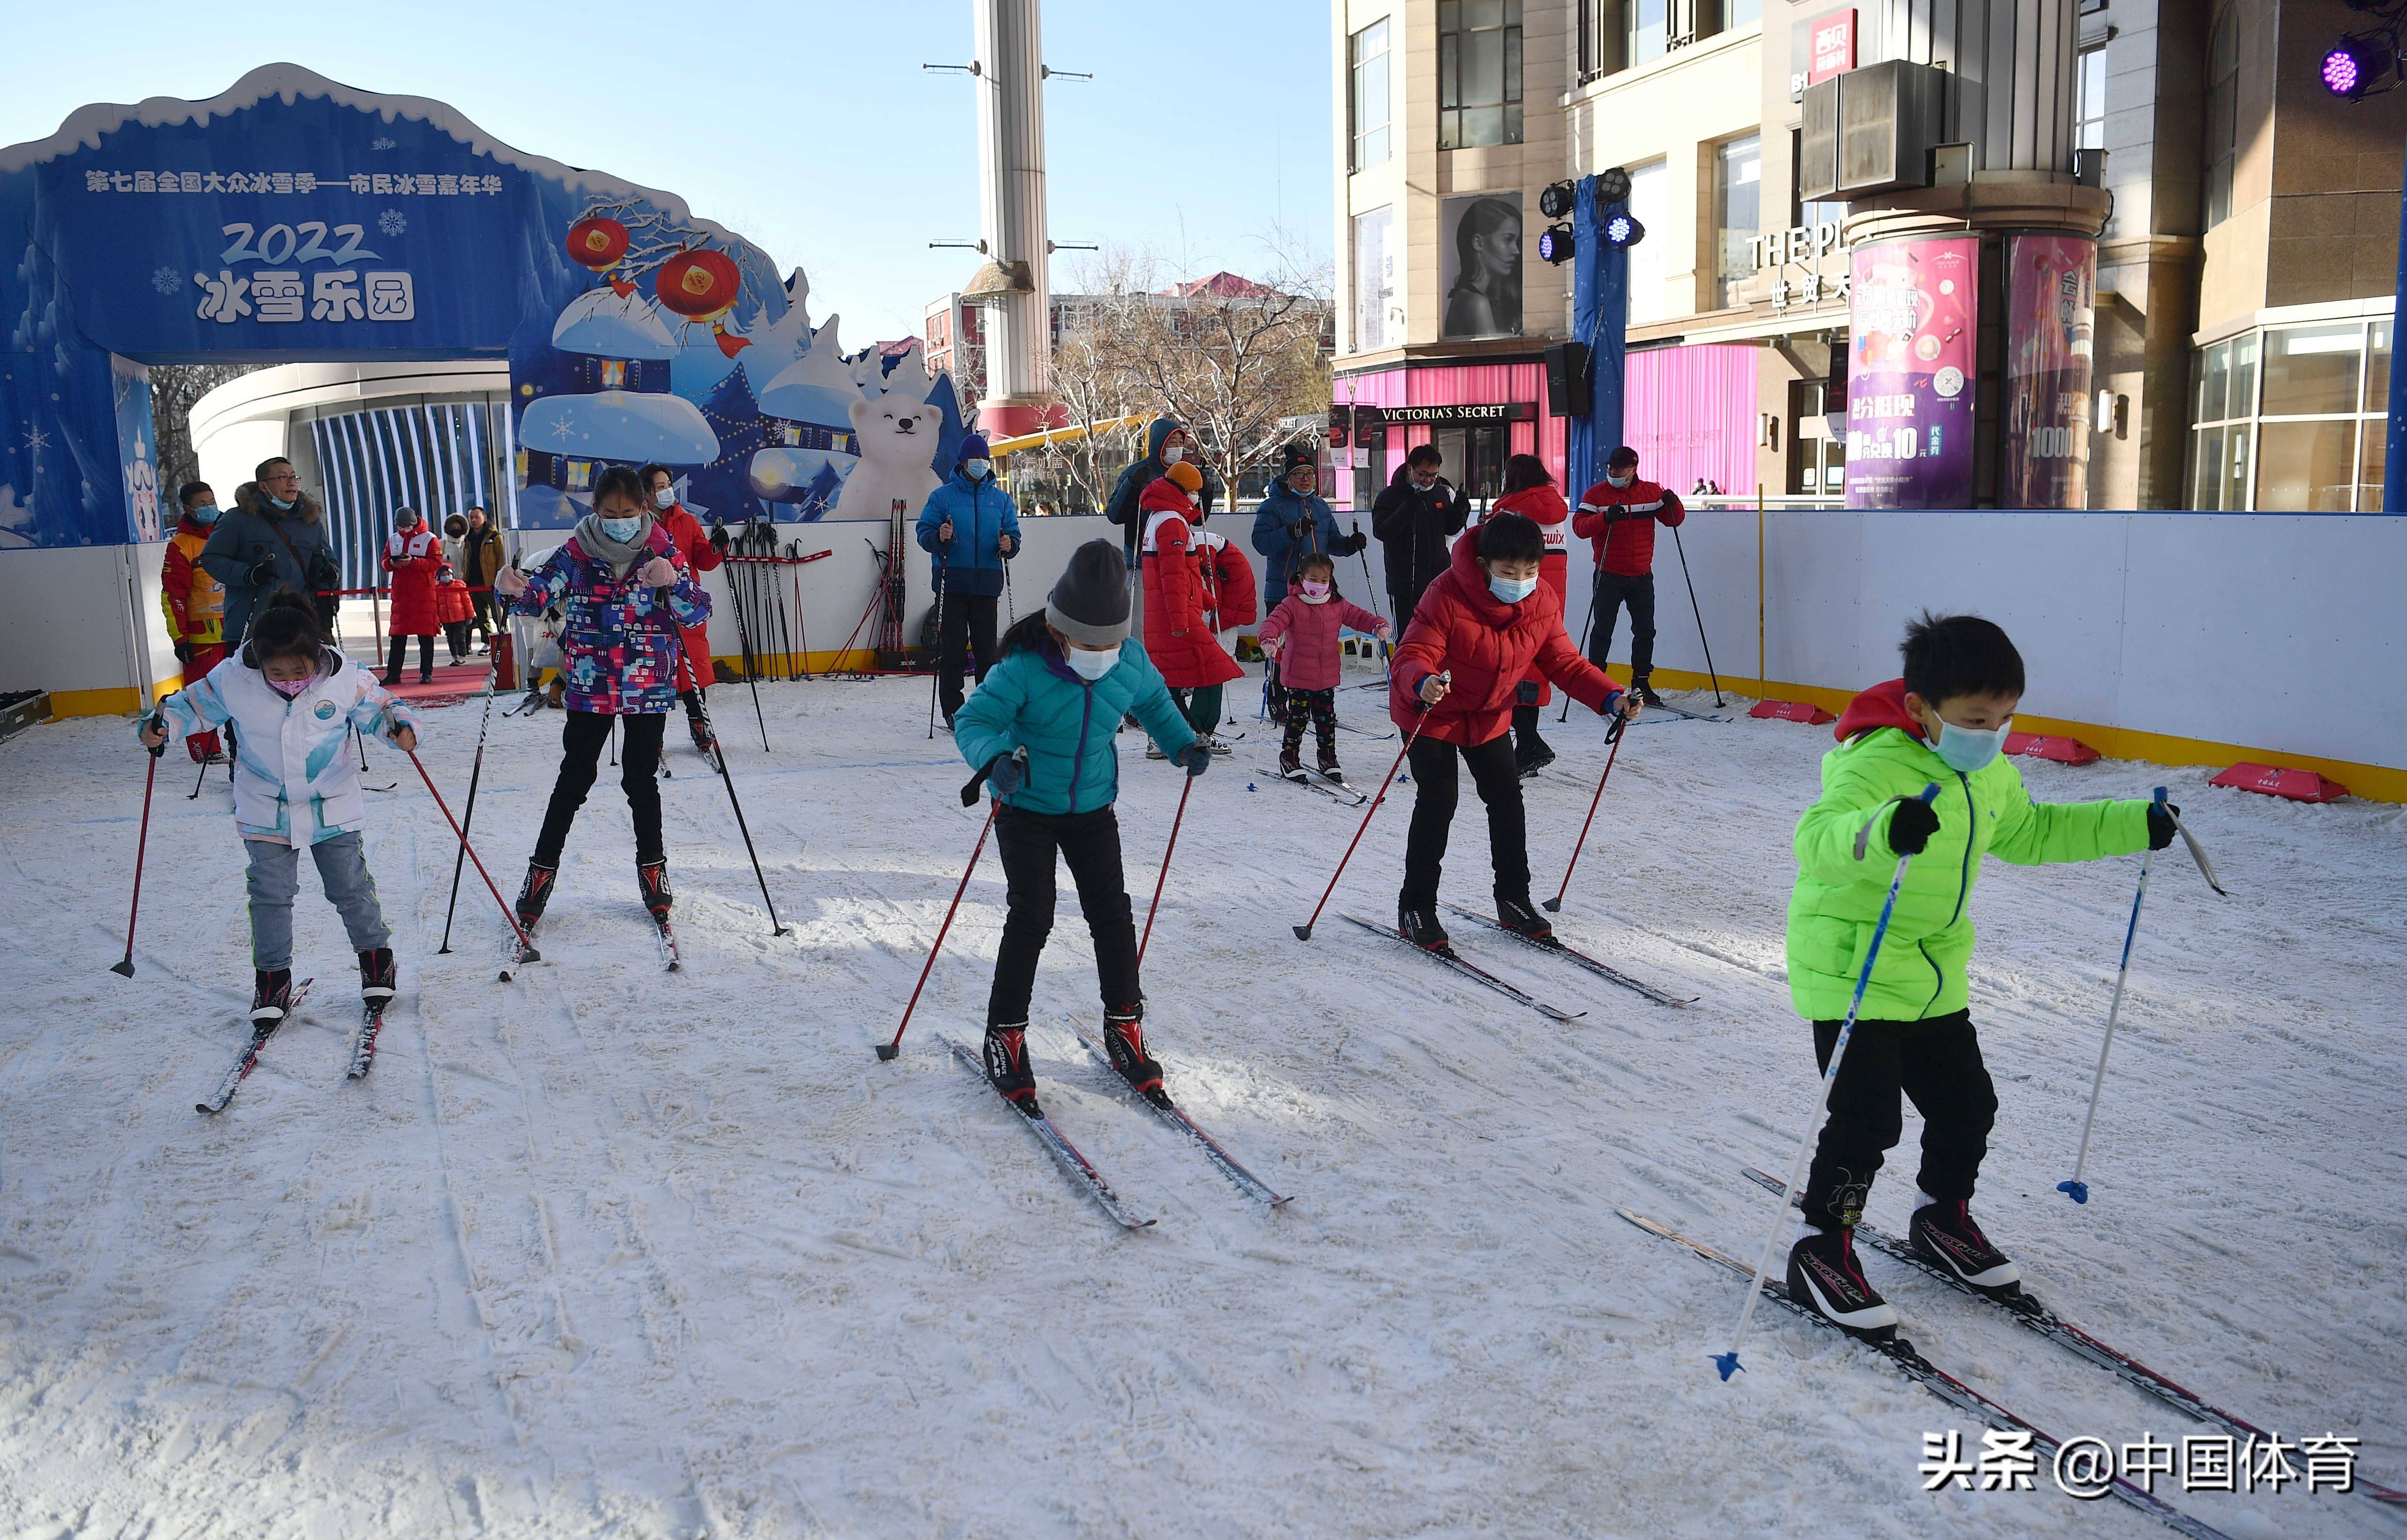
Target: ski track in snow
[[615, 1252]]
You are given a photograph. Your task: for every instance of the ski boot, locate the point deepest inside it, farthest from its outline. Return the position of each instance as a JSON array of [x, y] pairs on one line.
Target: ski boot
[[1422, 929], [376, 976], [654, 878], [1642, 687], [1124, 1041], [1515, 913], [1218, 744], [1533, 756], [534, 893], [1944, 1235], [271, 998], [1825, 1278], [1331, 769], [1006, 1066], [1290, 765]]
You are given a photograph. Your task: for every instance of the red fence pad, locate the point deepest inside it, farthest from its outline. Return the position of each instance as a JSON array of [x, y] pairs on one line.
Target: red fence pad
[[2299, 786], [2064, 751], [1790, 711]]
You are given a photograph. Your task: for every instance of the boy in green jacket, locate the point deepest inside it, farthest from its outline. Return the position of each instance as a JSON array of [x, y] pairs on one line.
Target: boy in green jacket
[[1945, 722]]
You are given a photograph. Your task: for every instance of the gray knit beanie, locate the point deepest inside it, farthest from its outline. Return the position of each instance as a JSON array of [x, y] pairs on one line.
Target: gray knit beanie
[[1089, 605]]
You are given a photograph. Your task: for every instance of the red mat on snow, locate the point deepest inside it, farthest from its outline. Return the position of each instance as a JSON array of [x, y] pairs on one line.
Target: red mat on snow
[[450, 685], [2299, 786], [2064, 751], [1790, 711]]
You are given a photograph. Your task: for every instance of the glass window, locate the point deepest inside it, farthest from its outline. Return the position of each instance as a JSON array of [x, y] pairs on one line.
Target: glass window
[[1374, 280], [1645, 27], [2370, 458], [1738, 186], [2311, 369], [1740, 13], [2236, 443], [1650, 199], [1367, 96], [1478, 73], [2206, 476], [2306, 467], [2090, 100], [2222, 112], [2243, 376]]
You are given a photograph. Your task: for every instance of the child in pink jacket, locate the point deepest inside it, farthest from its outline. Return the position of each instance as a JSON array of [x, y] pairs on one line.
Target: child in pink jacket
[[1301, 634]]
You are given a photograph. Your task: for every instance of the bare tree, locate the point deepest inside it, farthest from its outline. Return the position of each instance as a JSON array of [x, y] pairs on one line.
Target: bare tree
[[174, 389]]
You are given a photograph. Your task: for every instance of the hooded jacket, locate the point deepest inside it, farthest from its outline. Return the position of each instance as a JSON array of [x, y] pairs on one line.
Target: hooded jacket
[[195, 601], [700, 556], [1309, 658], [1178, 636], [1619, 522], [413, 557], [1490, 646], [452, 604], [1842, 881], [293, 542], [1228, 580], [982, 514], [1122, 506], [1544, 507], [296, 780], [1274, 520], [1414, 527], [1031, 699], [619, 647]]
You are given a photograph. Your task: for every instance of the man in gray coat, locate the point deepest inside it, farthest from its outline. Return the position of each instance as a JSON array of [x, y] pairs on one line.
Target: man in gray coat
[[273, 535]]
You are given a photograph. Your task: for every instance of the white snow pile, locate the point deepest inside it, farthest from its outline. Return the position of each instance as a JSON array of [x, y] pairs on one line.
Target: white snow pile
[[613, 1252]]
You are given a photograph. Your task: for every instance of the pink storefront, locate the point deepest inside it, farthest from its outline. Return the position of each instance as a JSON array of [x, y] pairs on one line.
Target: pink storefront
[[1690, 415]]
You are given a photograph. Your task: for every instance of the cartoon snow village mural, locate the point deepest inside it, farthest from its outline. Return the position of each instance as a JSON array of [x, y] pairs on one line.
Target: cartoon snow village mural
[[296, 219]]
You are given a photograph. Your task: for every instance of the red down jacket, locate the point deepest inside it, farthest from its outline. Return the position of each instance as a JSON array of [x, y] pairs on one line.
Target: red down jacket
[[413, 557], [1490, 646], [700, 556], [1619, 521], [1177, 637], [1309, 658], [1544, 507]]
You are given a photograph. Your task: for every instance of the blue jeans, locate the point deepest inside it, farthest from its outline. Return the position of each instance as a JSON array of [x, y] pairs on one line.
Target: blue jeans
[[276, 877]]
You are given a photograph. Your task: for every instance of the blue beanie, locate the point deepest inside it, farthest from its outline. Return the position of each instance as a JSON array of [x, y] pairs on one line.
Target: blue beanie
[[973, 447]]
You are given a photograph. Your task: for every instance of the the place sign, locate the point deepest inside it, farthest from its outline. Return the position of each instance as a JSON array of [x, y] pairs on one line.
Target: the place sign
[[1435, 417], [1798, 245]]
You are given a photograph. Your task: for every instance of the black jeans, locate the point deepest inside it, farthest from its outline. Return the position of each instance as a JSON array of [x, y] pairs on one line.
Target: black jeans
[[1613, 591], [1090, 843], [969, 623], [483, 600], [1498, 778], [455, 636], [400, 651], [639, 768], [1936, 1062]]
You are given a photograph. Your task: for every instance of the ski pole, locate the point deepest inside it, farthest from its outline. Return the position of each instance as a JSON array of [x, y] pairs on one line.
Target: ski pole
[[195, 794], [1304, 931], [2076, 1189], [468, 814], [736, 582], [1698, 613], [777, 926], [994, 806], [141, 844], [936, 674], [1621, 727], [1727, 1362], [1164, 876], [526, 948], [1586, 631]]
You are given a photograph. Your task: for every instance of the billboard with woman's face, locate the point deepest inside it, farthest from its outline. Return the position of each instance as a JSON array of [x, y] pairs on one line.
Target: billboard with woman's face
[[1480, 237]]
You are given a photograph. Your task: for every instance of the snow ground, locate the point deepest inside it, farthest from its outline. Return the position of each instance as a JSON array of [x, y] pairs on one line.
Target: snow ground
[[610, 1252]]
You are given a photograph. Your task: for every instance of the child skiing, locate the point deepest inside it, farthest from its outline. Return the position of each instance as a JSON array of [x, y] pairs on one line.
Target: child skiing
[[1488, 620], [1529, 491], [1301, 636], [1041, 727], [293, 700], [413, 554], [623, 590], [1178, 637], [1944, 722]]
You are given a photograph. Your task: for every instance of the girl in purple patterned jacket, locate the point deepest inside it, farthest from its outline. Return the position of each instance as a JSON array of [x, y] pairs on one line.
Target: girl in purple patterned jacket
[[623, 590]]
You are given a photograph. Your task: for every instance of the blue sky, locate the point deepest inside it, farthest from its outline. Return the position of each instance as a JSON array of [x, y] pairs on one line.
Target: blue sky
[[808, 126]]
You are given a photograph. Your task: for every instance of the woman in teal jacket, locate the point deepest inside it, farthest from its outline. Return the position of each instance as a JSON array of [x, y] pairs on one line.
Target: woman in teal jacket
[[1041, 730]]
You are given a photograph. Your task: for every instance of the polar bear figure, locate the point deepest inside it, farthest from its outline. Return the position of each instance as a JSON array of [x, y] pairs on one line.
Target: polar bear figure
[[897, 439]]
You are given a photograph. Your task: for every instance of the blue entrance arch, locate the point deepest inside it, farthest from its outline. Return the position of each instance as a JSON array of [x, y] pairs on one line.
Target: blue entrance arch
[[294, 219]]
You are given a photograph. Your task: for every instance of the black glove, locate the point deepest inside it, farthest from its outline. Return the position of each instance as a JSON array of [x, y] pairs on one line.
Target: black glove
[[1911, 827], [2160, 825], [1006, 774], [159, 723], [184, 655], [719, 539], [263, 572], [1300, 529], [1195, 758], [1353, 545]]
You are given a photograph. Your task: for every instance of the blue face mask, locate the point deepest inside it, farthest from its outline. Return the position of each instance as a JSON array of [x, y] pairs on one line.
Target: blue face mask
[[976, 469], [1511, 590], [206, 514], [1965, 750], [1090, 666], [622, 530], [279, 503]]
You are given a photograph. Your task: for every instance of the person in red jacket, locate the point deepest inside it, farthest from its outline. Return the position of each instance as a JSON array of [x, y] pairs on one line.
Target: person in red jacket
[[1618, 515], [454, 606], [1529, 491], [1480, 628], [1178, 633], [1301, 636], [703, 553], [413, 556]]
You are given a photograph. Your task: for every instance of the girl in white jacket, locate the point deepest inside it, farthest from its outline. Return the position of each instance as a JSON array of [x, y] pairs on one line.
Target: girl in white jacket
[[293, 700]]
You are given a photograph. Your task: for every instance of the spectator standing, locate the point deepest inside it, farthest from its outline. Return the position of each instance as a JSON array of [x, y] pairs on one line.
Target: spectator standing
[[195, 601], [275, 537], [1416, 516]]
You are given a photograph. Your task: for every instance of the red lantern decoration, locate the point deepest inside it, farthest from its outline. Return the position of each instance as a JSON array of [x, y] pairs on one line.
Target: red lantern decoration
[[700, 285], [596, 243]]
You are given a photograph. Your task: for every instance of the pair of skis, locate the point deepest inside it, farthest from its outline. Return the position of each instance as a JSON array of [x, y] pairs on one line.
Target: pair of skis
[[1456, 963], [2038, 1318], [519, 953], [1313, 780], [1082, 1170], [363, 1044]]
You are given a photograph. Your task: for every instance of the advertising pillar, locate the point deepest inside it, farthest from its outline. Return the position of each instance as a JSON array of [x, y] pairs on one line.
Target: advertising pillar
[[1913, 326], [2044, 443]]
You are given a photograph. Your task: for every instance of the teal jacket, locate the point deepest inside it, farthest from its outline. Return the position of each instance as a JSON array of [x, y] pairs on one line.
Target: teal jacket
[[1032, 701], [1840, 883]]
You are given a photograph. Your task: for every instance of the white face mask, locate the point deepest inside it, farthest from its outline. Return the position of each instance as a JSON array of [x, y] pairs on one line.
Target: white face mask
[[1622, 480], [1089, 665], [1173, 455], [978, 468], [622, 530], [665, 499], [1512, 590]]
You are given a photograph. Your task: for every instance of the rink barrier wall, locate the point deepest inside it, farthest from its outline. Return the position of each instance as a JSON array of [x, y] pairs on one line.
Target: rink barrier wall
[[2176, 637]]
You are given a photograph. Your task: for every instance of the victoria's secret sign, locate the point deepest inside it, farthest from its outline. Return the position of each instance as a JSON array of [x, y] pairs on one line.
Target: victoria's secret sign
[[1365, 417]]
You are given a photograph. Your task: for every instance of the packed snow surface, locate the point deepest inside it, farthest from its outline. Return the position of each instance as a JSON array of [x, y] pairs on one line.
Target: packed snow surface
[[615, 1252]]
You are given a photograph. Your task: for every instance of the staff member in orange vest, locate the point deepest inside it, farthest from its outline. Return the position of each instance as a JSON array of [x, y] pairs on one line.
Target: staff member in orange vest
[[194, 602], [1618, 515]]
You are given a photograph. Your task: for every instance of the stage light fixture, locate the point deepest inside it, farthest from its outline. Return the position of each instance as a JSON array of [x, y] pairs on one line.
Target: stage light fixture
[[2359, 64], [1613, 185], [1623, 230], [1557, 244], [1556, 202]]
